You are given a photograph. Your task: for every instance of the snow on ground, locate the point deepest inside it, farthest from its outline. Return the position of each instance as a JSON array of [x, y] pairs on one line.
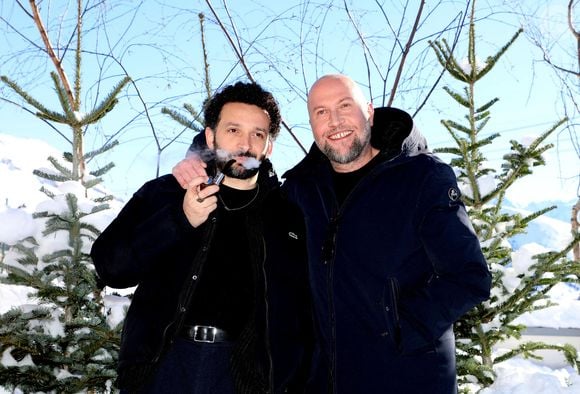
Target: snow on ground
[[519, 376], [566, 314], [20, 192]]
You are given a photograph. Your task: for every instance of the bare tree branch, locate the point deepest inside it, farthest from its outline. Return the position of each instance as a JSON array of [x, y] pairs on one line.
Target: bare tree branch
[[406, 53], [460, 25], [575, 32], [575, 222], [231, 41], [56, 61], [241, 59], [34, 114]]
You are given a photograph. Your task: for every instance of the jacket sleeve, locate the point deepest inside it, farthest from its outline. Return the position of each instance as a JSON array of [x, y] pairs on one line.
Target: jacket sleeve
[[137, 241], [461, 278]]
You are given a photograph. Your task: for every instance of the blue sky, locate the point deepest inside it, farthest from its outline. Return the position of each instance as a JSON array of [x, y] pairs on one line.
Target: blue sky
[[287, 47]]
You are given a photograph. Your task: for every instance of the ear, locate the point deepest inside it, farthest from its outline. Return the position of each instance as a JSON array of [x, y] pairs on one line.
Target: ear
[[269, 147], [209, 138], [371, 112]]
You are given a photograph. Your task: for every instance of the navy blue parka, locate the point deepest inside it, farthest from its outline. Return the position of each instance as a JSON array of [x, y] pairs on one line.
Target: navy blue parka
[[391, 269]]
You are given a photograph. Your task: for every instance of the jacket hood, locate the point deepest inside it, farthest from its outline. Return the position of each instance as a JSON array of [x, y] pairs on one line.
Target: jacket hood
[[393, 133]]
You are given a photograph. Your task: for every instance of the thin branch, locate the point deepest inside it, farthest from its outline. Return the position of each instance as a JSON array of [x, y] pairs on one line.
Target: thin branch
[[396, 44], [363, 42], [24, 9], [57, 62], [455, 41], [406, 53], [232, 23], [575, 32], [240, 57], [37, 117], [204, 51], [575, 221], [229, 38], [77, 103]]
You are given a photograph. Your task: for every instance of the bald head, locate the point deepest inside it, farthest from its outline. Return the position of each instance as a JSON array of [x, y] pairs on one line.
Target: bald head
[[334, 80], [341, 118]]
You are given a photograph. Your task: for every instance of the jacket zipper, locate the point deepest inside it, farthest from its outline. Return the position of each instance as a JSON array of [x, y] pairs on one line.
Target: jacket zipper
[[394, 287], [187, 293], [267, 314], [330, 254], [391, 311]]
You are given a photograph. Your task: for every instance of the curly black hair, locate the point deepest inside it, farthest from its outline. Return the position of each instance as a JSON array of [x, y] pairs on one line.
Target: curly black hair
[[247, 93]]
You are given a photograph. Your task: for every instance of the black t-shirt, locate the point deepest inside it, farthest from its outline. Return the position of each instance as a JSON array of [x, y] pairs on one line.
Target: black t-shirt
[[344, 182], [224, 295]]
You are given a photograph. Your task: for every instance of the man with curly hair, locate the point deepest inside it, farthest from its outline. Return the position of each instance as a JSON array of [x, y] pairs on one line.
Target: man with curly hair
[[393, 259], [220, 270]]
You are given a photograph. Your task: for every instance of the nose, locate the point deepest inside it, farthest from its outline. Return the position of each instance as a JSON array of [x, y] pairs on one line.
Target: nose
[[334, 118], [244, 143]]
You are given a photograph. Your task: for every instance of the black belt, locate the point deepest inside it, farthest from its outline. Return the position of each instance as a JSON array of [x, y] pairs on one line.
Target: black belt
[[207, 334]]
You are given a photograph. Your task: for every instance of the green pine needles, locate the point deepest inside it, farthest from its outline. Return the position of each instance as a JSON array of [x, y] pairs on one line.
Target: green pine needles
[[493, 322], [62, 340]]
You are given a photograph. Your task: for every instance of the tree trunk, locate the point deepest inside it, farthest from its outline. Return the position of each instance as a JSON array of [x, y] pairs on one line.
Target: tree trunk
[[575, 228]]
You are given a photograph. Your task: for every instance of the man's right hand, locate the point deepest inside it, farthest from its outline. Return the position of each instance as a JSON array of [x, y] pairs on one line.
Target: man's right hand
[[199, 203], [188, 169]]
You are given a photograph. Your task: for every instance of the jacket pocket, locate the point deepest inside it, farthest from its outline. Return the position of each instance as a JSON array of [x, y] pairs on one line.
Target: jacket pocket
[[390, 306], [407, 338]]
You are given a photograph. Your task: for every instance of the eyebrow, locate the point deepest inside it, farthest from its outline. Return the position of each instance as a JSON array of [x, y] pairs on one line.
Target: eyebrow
[[235, 124], [347, 98]]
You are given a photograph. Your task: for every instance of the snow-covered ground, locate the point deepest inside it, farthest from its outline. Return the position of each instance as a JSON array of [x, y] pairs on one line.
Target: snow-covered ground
[[19, 194]]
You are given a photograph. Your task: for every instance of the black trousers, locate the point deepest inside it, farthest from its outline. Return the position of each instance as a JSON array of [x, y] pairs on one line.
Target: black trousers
[[194, 368]]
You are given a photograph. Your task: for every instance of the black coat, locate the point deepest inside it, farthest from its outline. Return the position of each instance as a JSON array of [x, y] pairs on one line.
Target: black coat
[[151, 245], [391, 269]]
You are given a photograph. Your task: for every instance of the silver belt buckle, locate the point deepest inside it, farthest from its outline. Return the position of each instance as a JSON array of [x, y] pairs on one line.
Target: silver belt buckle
[[204, 334]]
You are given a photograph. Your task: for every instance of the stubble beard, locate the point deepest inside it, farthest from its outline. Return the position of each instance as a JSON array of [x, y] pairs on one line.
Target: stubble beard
[[237, 170], [356, 148]]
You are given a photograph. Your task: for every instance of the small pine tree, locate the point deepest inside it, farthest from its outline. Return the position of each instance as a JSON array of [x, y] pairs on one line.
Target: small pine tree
[[194, 123], [61, 342], [526, 290]]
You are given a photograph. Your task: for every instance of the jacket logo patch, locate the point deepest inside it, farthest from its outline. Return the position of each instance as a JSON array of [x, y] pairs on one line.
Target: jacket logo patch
[[453, 194]]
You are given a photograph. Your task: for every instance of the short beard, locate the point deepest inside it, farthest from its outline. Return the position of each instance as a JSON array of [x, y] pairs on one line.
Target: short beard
[[237, 171], [357, 147], [354, 152]]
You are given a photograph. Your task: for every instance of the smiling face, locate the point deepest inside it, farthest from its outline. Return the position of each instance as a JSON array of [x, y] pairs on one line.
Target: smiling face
[[341, 121], [242, 133]]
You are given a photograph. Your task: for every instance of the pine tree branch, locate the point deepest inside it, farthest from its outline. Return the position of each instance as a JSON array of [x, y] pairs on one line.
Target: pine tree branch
[[575, 224], [528, 350], [107, 104], [492, 60], [105, 148], [487, 105], [447, 60], [52, 177], [65, 104], [182, 120], [207, 81], [43, 112], [76, 104]]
